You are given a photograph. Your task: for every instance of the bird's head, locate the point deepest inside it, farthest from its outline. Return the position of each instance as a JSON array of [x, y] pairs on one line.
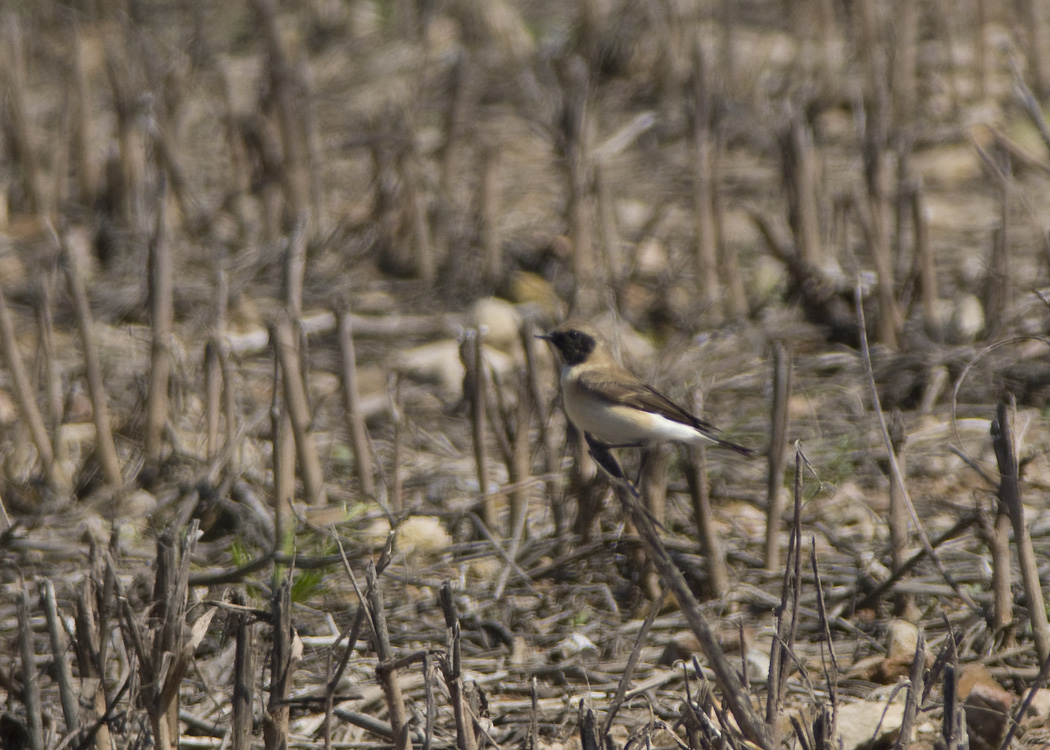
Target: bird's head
[[574, 341]]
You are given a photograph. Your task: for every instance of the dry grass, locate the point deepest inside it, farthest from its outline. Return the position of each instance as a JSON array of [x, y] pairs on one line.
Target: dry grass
[[245, 251]]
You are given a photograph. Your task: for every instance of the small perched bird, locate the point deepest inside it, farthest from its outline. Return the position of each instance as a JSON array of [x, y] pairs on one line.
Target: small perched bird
[[613, 407]]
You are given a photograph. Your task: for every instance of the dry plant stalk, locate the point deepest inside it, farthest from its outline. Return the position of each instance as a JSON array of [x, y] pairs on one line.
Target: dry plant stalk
[[53, 397], [456, 118], [953, 725], [295, 268], [60, 659], [298, 410], [915, 690], [588, 724], [476, 387], [385, 215], [799, 176], [80, 119], [574, 142], [998, 540], [415, 208], [871, 212], [284, 657], [552, 456], [89, 650], [287, 100], [162, 650], [703, 516], [705, 256], [162, 313], [734, 694], [896, 475], [212, 395], [628, 671], [352, 404], [104, 445], [781, 657], [491, 240], [1034, 21], [898, 519], [925, 262], [385, 670], [510, 423], [609, 242], [1010, 496], [452, 673], [129, 180], [283, 470], [998, 285], [905, 56], [19, 131], [30, 674], [24, 395], [782, 370], [654, 482], [243, 679], [397, 416]]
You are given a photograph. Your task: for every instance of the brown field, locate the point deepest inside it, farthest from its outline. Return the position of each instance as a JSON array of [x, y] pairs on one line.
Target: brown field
[[282, 463]]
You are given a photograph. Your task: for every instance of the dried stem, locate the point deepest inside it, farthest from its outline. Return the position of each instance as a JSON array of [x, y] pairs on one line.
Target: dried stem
[[1034, 21], [1010, 496], [898, 520], [574, 139], [925, 263], [104, 445], [162, 312], [456, 118], [705, 256], [415, 208], [283, 471], [352, 404], [386, 672], [786, 614], [212, 395], [284, 657], [16, 87], [288, 100], [491, 240], [896, 475], [298, 410], [1002, 573], [60, 660], [88, 646], [905, 54], [243, 680], [452, 672], [736, 698], [799, 177], [24, 394], [30, 674], [475, 386], [915, 689], [703, 516], [775, 493]]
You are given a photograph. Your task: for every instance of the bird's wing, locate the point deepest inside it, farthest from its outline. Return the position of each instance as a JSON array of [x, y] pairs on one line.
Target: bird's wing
[[626, 388], [631, 391]]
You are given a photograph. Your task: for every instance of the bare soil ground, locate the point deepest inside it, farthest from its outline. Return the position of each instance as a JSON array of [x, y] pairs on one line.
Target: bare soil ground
[[428, 169]]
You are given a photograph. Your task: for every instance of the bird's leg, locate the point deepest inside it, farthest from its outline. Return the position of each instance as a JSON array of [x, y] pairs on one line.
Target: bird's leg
[[642, 459], [600, 453]]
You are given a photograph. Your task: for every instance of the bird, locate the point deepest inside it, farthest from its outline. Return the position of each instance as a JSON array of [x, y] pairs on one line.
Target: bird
[[613, 407]]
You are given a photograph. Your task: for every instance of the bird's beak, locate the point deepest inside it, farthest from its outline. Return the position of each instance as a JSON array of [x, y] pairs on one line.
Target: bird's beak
[[544, 336]]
